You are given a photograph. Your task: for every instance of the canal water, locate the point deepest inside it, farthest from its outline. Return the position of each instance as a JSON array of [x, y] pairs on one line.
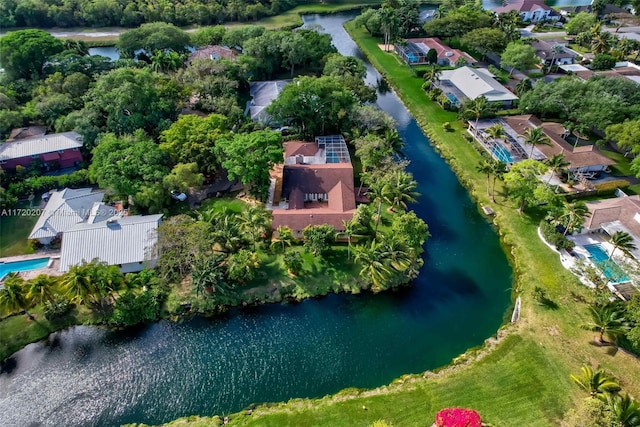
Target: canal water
[[87, 376]]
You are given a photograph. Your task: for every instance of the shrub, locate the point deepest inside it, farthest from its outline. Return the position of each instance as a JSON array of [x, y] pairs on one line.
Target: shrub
[[603, 61], [553, 237], [57, 309], [458, 417], [610, 186], [293, 261], [447, 127]]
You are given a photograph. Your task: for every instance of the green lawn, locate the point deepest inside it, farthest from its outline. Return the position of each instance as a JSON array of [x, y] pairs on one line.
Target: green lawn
[[14, 231], [524, 379], [623, 165]]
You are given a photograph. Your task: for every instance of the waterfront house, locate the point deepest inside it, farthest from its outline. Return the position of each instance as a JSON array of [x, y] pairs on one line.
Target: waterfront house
[[583, 160], [466, 83], [64, 210], [313, 186], [126, 241], [59, 150], [529, 10], [414, 52]]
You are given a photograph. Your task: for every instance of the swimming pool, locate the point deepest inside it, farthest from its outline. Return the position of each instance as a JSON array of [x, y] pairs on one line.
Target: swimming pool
[[609, 268], [454, 99], [26, 265], [502, 154]]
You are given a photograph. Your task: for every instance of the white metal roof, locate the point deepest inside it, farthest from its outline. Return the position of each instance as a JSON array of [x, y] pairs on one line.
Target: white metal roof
[[477, 82], [39, 145], [65, 209], [124, 240]]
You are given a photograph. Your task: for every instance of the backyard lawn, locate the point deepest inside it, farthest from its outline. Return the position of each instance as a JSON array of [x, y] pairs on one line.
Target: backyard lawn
[[623, 164], [14, 231]]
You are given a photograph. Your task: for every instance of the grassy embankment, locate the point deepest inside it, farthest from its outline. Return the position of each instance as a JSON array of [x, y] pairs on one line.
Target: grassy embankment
[[14, 230], [522, 380]]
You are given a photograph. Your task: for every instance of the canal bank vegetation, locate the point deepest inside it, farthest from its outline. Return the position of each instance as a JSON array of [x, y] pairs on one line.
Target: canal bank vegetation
[[138, 147], [520, 377]]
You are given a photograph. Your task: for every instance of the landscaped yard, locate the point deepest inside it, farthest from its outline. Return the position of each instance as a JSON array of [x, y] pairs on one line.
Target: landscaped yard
[[623, 164]]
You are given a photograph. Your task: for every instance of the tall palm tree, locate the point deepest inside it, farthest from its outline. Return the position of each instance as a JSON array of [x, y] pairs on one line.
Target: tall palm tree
[[572, 216], [371, 257], [388, 24], [394, 140], [555, 50], [535, 136], [78, 283], [622, 240], [352, 228], [284, 237], [625, 409], [523, 86], [14, 295], [400, 189], [601, 42], [485, 167], [432, 75], [254, 222], [597, 383], [498, 171], [606, 319], [478, 107], [555, 163]]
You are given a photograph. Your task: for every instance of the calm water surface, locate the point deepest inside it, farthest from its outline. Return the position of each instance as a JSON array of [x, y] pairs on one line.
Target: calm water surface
[[87, 376]]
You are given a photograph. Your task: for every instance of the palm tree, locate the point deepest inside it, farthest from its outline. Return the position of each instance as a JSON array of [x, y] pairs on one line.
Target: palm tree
[[371, 258], [14, 295], [622, 240], [432, 75], [351, 229], [254, 222], [555, 50], [226, 231], [496, 131], [400, 189], [625, 409], [601, 42], [79, 284], [606, 319], [284, 237], [555, 163], [394, 140], [535, 136], [477, 107], [388, 24], [595, 383], [572, 216], [42, 289], [523, 86], [499, 169], [485, 167]]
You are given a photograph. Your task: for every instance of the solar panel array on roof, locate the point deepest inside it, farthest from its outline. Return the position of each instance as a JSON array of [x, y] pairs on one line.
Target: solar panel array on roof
[[335, 147]]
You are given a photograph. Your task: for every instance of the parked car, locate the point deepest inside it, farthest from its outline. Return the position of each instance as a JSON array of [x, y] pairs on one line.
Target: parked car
[[178, 196]]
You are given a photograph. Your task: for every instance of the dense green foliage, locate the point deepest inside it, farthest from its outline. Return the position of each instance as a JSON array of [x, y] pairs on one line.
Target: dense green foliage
[[104, 13], [152, 37], [23, 53], [598, 103]]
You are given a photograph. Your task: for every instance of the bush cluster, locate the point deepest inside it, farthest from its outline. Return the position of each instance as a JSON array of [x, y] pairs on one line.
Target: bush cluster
[[553, 237]]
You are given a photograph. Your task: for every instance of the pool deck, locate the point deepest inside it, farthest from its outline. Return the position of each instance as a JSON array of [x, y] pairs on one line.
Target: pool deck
[[53, 269]]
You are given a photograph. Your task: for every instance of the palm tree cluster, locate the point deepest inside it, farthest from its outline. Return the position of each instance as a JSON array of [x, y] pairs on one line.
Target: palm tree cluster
[[94, 284], [623, 408]]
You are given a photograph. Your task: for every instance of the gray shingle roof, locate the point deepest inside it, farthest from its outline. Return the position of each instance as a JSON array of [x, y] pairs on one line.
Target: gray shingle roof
[[126, 240], [39, 145], [65, 209]]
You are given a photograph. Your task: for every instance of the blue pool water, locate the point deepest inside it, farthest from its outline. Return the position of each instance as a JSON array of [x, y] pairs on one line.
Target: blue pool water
[[611, 270], [454, 99], [30, 264], [502, 154]]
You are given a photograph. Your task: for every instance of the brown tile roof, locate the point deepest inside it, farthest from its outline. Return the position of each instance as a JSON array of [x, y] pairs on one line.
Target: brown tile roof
[[297, 220], [293, 148], [213, 52], [27, 132], [578, 157], [442, 49], [623, 209]]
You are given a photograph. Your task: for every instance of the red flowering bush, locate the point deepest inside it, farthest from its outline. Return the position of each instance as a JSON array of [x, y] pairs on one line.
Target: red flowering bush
[[458, 417]]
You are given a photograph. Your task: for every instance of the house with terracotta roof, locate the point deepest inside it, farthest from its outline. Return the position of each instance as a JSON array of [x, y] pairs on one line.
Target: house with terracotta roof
[[529, 10], [313, 186], [415, 51], [583, 159], [61, 150], [213, 52]]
